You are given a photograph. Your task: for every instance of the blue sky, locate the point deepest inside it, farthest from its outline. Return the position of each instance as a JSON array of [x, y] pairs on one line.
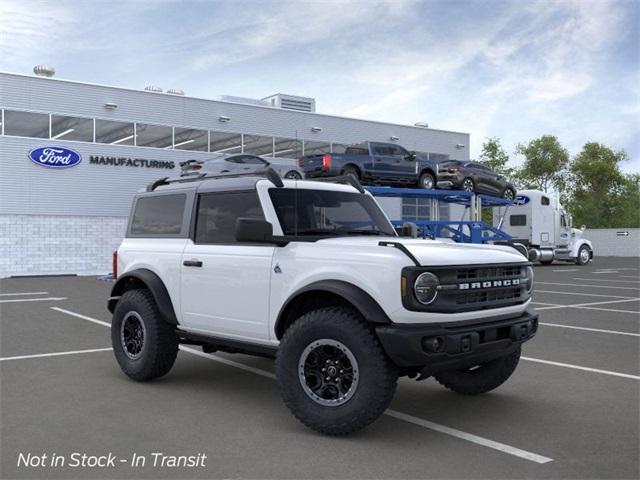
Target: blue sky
[[514, 70]]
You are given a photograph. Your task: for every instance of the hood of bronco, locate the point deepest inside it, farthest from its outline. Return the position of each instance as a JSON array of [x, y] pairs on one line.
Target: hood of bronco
[[435, 252]]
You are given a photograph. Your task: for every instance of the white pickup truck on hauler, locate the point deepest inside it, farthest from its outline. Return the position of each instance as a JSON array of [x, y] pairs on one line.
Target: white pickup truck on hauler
[[314, 275]]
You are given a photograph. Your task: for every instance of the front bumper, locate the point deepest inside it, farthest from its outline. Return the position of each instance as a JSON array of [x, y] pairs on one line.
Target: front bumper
[[437, 348]]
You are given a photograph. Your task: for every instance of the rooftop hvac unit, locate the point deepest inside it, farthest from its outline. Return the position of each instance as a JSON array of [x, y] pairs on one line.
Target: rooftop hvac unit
[[44, 71], [175, 91], [153, 88], [291, 102]]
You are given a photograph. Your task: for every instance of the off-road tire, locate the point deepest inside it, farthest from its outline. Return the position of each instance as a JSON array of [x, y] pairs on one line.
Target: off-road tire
[[160, 344], [377, 375], [425, 179], [579, 260], [483, 379]]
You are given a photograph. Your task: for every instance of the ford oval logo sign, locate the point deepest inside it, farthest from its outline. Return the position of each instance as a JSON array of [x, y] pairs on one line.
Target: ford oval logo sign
[[55, 157], [521, 200]]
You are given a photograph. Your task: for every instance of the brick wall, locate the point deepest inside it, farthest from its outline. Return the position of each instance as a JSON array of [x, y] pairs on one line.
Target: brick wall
[[43, 244]]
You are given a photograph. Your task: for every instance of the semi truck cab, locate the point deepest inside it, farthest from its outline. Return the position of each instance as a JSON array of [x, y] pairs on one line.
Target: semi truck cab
[[540, 223]]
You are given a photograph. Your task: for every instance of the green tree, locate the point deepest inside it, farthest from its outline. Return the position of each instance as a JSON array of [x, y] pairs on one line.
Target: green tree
[[600, 195], [545, 163], [495, 157]]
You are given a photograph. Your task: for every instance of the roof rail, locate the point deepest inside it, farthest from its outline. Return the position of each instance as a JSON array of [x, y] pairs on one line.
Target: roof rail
[[345, 179], [269, 173]]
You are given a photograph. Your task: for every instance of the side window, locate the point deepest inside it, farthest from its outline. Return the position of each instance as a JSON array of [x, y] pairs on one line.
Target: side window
[[545, 201], [563, 221], [398, 151], [380, 149], [158, 215], [218, 212], [518, 220]]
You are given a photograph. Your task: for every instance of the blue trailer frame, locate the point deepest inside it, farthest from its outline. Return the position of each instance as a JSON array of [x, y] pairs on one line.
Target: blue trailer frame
[[462, 231]]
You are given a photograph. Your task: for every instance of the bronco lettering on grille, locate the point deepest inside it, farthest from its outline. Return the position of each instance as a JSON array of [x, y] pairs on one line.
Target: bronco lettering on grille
[[489, 284]]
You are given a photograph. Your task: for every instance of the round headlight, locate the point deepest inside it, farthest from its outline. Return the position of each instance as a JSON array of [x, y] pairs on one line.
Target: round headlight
[[529, 279], [426, 288]]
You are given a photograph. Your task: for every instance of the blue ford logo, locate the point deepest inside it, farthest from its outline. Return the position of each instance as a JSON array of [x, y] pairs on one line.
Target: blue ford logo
[[55, 157], [521, 200]]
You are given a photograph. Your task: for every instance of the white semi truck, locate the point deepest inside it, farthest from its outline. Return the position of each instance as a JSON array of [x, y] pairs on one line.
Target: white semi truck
[[541, 224]]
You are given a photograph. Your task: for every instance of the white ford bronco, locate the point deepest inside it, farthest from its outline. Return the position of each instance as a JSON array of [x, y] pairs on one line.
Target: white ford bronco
[[314, 275]]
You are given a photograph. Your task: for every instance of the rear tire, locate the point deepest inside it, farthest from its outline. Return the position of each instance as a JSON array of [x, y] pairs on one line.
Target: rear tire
[[468, 185], [508, 194], [293, 175], [360, 380], [427, 181], [351, 172], [481, 379], [144, 344]]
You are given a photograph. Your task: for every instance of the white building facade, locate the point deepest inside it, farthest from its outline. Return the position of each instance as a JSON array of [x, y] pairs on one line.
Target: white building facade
[[69, 220]]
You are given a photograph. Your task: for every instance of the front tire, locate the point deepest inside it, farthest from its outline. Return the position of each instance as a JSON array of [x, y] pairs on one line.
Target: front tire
[[584, 255], [332, 372], [482, 378], [293, 175], [427, 181], [144, 344], [509, 194]]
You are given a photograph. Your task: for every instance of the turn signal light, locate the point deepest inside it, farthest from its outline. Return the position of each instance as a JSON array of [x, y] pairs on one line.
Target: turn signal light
[[326, 161], [114, 271]]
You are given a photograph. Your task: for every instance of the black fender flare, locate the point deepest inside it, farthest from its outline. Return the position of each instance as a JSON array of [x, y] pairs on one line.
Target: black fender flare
[[361, 300], [143, 277], [428, 169]]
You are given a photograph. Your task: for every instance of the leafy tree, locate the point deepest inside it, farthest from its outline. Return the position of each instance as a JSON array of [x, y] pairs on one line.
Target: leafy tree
[[495, 157], [600, 195], [545, 163]]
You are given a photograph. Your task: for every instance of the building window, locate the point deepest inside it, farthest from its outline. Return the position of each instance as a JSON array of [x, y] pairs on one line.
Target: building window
[[219, 212], [71, 128], [287, 147], [26, 124], [157, 136], [114, 133], [158, 215], [191, 139], [438, 157], [225, 142], [258, 145], [416, 209], [315, 148]]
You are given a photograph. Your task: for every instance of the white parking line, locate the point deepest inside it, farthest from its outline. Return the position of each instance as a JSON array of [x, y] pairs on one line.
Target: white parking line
[[589, 286], [23, 293], [469, 437], [398, 415], [55, 354], [587, 305], [533, 457], [604, 272], [83, 317], [49, 299], [597, 330], [582, 294], [610, 310], [628, 276], [607, 280], [578, 367], [567, 270]]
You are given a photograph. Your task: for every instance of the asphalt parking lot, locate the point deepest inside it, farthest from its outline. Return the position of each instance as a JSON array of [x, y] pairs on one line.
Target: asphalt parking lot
[[571, 410]]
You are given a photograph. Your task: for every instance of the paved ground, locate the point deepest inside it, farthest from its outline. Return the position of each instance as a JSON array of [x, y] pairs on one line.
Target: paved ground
[[570, 411]]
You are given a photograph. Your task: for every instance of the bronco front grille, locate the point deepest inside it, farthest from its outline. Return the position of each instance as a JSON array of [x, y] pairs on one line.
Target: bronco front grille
[[471, 288]]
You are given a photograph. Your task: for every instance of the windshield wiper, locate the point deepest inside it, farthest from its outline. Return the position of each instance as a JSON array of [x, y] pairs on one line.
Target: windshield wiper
[[363, 232]]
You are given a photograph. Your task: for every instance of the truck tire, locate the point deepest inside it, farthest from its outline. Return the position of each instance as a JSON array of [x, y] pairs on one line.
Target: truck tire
[[144, 344], [427, 181], [509, 194], [293, 175], [584, 255], [360, 380], [482, 378]]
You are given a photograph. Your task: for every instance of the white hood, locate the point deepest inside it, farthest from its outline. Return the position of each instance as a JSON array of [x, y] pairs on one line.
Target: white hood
[[437, 252]]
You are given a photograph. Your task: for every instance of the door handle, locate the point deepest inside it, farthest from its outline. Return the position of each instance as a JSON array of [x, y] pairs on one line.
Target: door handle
[[192, 263]]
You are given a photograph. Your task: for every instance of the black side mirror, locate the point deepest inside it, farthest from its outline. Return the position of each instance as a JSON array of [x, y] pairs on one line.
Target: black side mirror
[[255, 230], [411, 157]]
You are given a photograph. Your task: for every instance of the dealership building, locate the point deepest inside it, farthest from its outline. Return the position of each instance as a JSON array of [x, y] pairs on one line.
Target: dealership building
[[69, 220]]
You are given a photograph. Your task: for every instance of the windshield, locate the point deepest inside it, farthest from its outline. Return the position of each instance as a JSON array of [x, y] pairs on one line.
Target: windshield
[[328, 212]]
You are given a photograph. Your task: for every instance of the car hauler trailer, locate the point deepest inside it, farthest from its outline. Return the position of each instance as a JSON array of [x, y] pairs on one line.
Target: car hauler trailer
[[539, 222]]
